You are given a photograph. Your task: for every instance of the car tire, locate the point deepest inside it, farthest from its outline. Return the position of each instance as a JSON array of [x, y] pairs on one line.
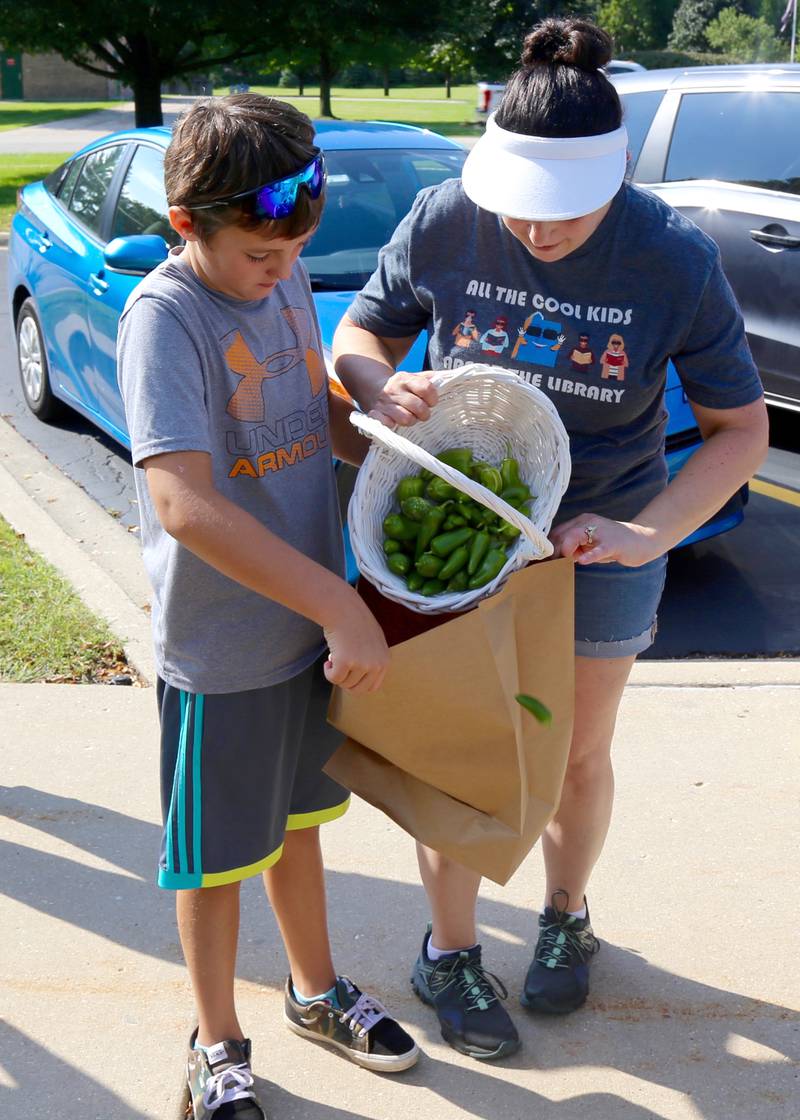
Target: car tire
[[34, 372]]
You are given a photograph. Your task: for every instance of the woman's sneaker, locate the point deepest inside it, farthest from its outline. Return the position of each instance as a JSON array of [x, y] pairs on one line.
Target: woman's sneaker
[[558, 978], [467, 1000], [359, 1027], [220, 1082]]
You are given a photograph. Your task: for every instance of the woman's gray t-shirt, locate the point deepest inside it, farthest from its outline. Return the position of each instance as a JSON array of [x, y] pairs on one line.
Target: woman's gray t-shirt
[[593, 331], [244, 381]]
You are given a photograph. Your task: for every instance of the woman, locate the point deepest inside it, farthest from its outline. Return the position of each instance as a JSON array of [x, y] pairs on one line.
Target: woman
[[551, 235]]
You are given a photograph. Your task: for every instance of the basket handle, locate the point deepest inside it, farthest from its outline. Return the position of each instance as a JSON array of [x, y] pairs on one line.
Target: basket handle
[[533, 542]]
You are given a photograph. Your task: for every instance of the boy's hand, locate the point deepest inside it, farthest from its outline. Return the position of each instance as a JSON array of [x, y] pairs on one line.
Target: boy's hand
[[358, 656]]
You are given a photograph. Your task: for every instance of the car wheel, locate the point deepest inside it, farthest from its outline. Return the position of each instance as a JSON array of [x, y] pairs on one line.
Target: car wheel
[[34, 373]]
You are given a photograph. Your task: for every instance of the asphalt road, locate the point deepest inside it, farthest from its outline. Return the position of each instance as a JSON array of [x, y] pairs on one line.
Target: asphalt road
[[734, 596]]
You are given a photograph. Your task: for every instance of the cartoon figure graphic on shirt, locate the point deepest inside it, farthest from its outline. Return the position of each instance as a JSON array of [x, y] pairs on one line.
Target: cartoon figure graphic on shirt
[[495, 340], [582, 357], [541, 338], [615, 361], [466, 332]]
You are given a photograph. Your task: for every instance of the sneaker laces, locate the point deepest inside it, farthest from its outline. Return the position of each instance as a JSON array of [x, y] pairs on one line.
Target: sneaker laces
[[364, 1014], [479, 987], [231, 1084], [559, 942]]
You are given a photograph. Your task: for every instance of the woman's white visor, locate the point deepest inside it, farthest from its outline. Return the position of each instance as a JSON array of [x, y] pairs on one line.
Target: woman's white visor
[[536, 178]]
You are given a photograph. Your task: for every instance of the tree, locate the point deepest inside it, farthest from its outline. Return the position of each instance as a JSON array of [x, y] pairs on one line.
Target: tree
[[744, 38], [630, 23], [689, 25], [139, 43]]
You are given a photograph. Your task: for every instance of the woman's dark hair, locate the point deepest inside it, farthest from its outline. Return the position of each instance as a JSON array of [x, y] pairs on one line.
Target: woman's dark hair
[[560, 90], [224, 145]]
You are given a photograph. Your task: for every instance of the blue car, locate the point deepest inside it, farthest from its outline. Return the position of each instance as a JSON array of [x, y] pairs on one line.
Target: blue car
[[85, 236]]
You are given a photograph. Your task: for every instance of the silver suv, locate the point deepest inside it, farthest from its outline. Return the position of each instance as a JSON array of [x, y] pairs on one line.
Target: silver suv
[[722, 145]]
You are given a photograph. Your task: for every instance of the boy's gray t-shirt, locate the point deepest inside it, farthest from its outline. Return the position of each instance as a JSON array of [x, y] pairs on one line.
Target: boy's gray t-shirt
[[246, 382], [593, 331]]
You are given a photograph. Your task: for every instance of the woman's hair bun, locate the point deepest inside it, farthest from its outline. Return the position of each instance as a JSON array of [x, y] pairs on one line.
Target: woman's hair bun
[[567, 42]]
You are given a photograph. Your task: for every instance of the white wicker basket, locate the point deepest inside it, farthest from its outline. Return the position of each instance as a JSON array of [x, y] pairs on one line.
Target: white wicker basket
[[486, 409]]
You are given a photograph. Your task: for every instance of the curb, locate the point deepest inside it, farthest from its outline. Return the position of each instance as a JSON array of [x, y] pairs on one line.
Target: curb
[[99, 558]]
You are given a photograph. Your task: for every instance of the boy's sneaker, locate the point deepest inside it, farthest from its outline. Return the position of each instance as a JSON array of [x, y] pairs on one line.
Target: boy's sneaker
[[467, 1000], [360, 1028], [220, 1082], [558, 978]]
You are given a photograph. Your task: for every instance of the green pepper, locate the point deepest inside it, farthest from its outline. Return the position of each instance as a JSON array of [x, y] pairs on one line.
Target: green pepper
[[515, 495], [478, 465], [455, 562], [410, 487], [390, 546], [445, 543], [493, 563], [429, 565], [399, 563], [432, 587], [537, 709], [429, 528], [458, 457], [414, 581], [490, 478], [478, 549], [509, 471], [415, 509], [474, 513], [507, 532], [459, 581], [399, 528], [453, 521], [439, 490]]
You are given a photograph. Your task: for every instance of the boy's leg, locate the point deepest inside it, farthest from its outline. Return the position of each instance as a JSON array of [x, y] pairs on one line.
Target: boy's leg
[[296, 890], [452, 892], [208, 923]]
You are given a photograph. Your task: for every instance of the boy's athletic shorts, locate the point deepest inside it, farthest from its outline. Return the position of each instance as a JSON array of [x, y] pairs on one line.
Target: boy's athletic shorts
[[238, 770], [615, 610]]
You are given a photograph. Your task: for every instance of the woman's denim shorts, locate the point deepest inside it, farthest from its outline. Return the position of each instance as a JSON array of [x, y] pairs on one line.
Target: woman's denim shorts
[[615, 608]]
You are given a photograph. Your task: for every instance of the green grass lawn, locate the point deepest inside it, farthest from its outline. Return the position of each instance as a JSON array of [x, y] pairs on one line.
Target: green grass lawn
[[19, 114], [452, 116], [15, 171], [46, 632]]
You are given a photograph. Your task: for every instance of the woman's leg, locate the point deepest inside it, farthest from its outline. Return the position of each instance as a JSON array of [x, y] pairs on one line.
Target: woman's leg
[[296, 889], [452, 892], [573, 840]]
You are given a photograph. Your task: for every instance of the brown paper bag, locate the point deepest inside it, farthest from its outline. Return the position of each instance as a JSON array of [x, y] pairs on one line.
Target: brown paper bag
[[445, 750]]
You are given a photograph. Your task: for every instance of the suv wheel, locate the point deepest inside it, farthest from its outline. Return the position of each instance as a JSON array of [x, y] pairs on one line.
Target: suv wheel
[[33, 370]]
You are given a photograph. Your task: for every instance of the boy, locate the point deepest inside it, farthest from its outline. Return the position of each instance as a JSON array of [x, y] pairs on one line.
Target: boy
[[232, 427]]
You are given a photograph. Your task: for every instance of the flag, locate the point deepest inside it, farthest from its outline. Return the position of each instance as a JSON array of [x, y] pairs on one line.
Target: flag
[[787, 15]]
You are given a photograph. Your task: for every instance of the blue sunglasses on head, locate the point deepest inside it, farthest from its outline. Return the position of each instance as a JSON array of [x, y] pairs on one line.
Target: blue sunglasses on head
[[278, 198]]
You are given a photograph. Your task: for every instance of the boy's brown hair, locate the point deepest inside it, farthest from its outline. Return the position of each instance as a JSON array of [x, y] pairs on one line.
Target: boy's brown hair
[[224, 145]]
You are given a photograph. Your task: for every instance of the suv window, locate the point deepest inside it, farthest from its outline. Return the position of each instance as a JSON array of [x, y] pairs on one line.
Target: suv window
[[738, 138], [142, 206], [93, 184], [638, 110]]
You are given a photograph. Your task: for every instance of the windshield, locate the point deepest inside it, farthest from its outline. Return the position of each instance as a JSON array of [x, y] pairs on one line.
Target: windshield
[[368, 193]]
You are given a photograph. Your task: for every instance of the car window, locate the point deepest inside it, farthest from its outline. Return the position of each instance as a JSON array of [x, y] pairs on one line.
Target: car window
[[368, 193], [739, 137], [142, 205], [638, 110], [55, 179], [66, 184], [92, 186]]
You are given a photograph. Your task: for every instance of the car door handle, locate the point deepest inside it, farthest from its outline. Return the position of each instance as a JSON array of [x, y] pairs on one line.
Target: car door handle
[[98, 285], [40, 241], [780, 240]]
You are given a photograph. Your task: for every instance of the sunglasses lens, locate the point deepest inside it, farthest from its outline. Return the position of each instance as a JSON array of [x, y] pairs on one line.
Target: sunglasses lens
[[278, 200]]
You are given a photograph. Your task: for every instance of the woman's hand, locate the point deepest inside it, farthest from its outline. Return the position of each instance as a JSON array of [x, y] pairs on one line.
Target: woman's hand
[[590, 539], [405, 399]]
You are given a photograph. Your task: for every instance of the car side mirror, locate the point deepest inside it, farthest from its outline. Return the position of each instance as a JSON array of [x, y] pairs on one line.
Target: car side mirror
[[137, 254]]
